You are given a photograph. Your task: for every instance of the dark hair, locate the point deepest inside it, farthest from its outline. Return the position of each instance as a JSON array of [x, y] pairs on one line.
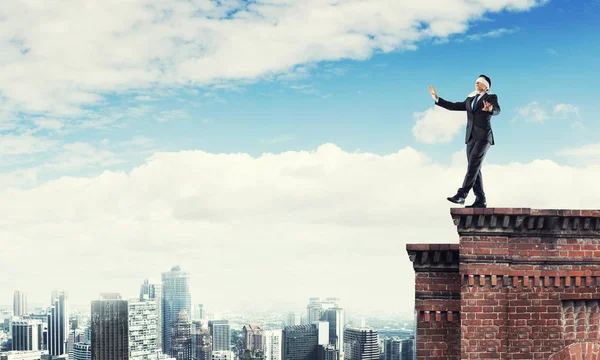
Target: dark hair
[[487, 79]]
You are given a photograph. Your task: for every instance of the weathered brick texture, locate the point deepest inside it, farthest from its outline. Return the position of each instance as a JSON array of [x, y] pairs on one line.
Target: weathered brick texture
[[520, 284]]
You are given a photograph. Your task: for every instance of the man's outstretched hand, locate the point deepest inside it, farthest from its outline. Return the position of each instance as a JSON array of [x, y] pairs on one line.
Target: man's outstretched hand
[[487, 106], [433, 93]]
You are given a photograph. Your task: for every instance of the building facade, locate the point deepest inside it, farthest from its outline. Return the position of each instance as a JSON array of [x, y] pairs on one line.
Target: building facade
[[110, 328], [176, 297], [520, 283]]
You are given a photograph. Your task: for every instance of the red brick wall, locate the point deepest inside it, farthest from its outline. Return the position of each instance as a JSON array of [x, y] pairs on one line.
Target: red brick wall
[[529, 283], [437, 301]]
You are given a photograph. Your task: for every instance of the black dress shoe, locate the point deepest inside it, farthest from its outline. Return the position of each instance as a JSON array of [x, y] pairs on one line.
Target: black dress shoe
[[457, 199], [479, 203]]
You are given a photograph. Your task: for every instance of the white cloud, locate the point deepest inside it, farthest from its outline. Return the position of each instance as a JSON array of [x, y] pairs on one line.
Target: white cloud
[[493, 33], [45, 123], [533, 112], [589, 150], [536, 112], [80, 155], [565, 110], [170, 115], [437, 125], [24, 144], [193, 43], [296, 215]]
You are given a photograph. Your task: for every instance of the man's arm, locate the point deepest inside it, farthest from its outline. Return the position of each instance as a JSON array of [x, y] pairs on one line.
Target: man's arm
[[493, 102], [454, 106], [458, 106]]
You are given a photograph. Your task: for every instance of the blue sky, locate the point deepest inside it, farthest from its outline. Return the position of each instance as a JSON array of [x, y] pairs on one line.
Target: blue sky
[[548, 54], [135, 131]]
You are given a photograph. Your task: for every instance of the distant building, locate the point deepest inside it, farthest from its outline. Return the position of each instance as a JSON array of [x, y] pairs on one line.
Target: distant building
[[219, 330], [253, 337], [361, 344], [392, 349], [181, 344], [273, 344], [110, 328], [300, 342], [19, 303], [21, 355], [25, 335], [58, 324]]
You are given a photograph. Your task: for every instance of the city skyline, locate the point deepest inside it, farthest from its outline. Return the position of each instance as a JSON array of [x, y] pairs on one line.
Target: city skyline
[[287, 151]]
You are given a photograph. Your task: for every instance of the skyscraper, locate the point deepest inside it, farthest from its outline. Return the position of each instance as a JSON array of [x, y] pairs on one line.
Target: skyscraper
[[294, 319], [19, 303], [143, 326], [110, 328], [361, 344], [391, 349], [58, 324], [153, 292], [273, 344], [335, 317], [25, 335], [176, 297], [408, 348], [313, 310], [219, 330], [181, 345], [200, 311], [201, 342], [300, 342]]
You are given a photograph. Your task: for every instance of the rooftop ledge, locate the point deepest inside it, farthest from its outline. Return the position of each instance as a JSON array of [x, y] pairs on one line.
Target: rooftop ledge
[[526, 222]]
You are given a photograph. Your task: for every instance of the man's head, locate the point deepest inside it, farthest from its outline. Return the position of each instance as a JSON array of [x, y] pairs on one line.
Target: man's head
[[482, 83]]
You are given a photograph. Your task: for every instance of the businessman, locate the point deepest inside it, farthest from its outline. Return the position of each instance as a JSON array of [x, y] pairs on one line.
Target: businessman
[[480, 105]]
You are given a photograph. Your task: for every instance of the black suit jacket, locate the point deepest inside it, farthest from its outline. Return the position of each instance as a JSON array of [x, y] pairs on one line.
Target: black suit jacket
[[478, 123]]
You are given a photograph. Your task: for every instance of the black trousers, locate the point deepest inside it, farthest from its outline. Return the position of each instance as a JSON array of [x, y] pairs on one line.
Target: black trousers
[[476, 150]]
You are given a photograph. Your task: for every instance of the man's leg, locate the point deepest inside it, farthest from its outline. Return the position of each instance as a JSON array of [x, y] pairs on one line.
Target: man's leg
[[476, 150]]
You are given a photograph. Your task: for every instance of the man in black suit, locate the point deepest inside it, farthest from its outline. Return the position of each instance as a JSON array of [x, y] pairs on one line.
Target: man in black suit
[[480, 105]]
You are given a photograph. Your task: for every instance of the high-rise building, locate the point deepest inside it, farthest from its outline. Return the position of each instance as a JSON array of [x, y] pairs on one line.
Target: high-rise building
[[391, 349], [143, 328], [71, 343], [82, 351], [300, 342], [294, 319], [19, 303], [361, 344], [273, 344], [201, 342], [219, 330], [408, 348], [110, 328], [153, 292], [335, 317], [181, 344], [25, 336], [176, 297], [201, 314], [313, 310], [58, 324], [252, 336]]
